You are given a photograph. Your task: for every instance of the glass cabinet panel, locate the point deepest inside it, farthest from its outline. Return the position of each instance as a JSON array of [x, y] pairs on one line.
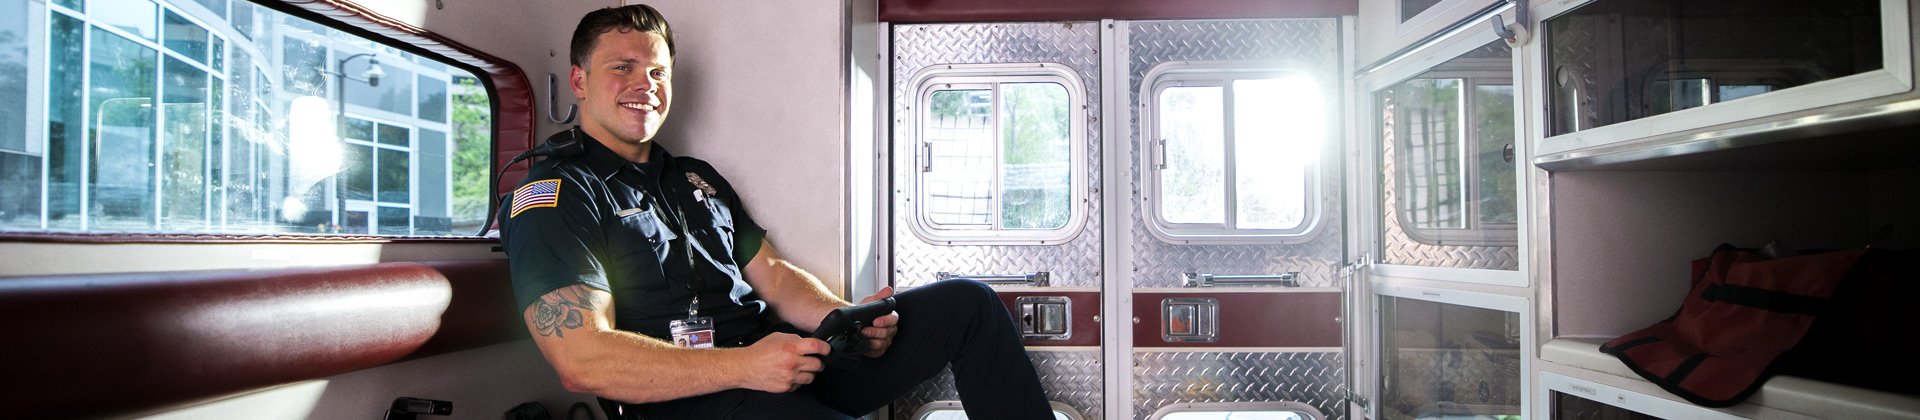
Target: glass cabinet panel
[[1620, 60], [1443, 360], [1571, 407], [1448, 190]]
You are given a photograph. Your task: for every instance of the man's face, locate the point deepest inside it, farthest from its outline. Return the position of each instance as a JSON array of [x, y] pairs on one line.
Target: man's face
[[623, 87]]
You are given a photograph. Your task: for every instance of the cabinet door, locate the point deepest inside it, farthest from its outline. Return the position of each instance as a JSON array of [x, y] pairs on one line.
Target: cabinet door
[[1233, 229], [994, 178], [1445, 318]]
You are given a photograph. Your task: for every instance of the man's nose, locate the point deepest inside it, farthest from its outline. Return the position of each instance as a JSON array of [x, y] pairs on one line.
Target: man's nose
[[647, 85]]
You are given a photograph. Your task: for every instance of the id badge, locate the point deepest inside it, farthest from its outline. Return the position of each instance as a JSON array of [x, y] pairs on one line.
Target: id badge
[[693, 332]]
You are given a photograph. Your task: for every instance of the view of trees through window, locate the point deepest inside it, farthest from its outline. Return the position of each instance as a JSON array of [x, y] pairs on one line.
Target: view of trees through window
[[1020, 180], [218, 116], [1236, 152]]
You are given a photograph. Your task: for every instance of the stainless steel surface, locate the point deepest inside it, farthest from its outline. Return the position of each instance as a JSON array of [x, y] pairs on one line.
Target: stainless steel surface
[[1838, 121], [1070, 377], [1190, 320], [1037, 278], [916, 47], [1164, 378], [1045, 317], [1288, 279], [1313, 43]]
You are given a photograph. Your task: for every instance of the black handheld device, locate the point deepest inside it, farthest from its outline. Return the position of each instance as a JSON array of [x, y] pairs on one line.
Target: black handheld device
[[409, 408], [841, 330]]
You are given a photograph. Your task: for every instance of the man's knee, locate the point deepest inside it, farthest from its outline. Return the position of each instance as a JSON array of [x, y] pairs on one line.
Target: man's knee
[[966, 291]]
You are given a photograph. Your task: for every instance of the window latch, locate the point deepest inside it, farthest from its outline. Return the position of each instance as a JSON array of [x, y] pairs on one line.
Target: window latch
[[1163, 154], [926, 156]]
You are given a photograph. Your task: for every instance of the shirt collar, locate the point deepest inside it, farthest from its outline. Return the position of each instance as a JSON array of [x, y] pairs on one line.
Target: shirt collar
[[604, 163]]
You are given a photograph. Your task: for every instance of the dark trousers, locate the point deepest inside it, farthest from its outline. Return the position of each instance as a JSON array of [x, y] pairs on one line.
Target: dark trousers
[[956, 323]]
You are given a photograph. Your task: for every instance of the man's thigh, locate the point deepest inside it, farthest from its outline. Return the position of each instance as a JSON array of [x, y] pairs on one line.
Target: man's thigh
[[934, 321]]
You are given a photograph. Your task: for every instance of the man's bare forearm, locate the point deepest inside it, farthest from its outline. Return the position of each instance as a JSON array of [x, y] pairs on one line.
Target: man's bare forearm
[[796, 296], [571, 327]]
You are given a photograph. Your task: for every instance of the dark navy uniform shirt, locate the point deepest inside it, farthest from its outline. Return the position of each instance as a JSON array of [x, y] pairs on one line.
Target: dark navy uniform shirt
[[650, 234]]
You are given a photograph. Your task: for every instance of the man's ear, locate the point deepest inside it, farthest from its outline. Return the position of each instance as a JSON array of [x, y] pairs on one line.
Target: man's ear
[[575, 78]]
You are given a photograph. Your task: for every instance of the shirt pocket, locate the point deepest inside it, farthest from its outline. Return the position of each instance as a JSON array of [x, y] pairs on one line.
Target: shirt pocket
[[640, 240]]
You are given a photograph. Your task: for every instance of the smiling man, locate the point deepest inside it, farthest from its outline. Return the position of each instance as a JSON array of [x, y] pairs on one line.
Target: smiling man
[[646, 283]]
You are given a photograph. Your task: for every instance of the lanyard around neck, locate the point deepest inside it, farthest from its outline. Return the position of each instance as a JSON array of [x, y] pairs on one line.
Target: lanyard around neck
[[694, 280]]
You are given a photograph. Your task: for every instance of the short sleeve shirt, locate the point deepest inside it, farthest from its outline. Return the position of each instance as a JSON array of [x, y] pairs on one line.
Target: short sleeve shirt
[[653, 235]]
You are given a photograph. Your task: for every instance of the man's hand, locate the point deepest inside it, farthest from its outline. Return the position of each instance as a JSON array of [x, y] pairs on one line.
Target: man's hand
[[880, 332], [782, 363]]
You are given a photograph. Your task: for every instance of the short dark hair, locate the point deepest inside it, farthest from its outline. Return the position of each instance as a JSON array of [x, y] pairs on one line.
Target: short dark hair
[[633, 17]]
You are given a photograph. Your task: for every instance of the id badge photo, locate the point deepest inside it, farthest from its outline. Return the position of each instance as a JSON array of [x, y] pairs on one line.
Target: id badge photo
[[693, 332]]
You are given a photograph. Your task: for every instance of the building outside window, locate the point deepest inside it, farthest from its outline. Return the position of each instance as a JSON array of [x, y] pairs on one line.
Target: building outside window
[[224, 117]]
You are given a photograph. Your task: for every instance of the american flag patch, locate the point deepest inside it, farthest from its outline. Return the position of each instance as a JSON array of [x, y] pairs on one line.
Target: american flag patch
[[543, 193]]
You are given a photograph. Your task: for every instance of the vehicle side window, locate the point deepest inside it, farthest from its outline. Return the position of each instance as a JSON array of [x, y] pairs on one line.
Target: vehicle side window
[[1234, 153], [1001, 156], [222, 117]]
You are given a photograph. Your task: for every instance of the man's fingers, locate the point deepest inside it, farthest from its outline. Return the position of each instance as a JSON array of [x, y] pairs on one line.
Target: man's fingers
[[878, 332], [882, 294], [888, 320]]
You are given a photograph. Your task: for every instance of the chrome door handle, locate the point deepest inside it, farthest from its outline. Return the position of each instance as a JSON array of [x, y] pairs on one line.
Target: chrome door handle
[[1037, 278], [1192, 279]]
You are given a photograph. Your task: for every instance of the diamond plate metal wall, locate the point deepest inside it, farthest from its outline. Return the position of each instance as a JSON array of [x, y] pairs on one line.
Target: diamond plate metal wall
[[1164, 378], [1311, 42], [1584, 54], [915, 47], [1070, 377]]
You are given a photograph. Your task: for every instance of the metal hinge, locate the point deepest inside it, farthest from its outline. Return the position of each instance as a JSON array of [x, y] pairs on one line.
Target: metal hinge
[[1355, 398], [1365, 262]]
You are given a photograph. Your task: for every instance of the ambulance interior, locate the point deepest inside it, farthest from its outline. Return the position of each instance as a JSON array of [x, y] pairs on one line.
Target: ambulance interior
[[1233, 209]]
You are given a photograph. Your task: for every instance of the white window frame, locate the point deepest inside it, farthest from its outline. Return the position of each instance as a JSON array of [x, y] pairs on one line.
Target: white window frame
[[1222, 73], [948, 77]]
